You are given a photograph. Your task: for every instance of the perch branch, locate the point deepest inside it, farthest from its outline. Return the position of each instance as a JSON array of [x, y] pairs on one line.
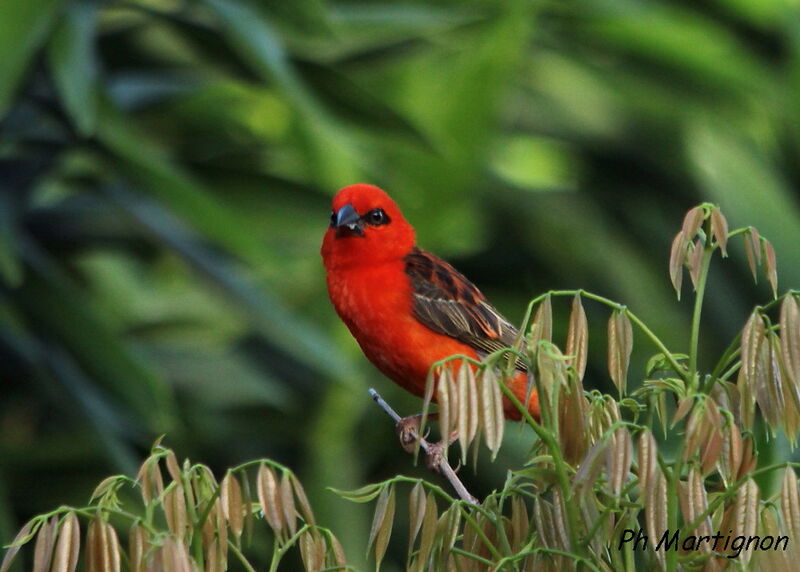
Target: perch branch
[[441, 465]]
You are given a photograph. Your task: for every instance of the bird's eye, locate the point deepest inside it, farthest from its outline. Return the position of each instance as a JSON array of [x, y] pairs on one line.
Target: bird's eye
[[333, 218], [377, 217]]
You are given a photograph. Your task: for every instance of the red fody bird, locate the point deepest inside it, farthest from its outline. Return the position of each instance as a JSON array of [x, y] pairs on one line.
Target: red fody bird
[[407, 308]]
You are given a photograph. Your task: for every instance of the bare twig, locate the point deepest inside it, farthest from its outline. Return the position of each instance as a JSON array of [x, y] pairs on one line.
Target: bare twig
[[441, 465]]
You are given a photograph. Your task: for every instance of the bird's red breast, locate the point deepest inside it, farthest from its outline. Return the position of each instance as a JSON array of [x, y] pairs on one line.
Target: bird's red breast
[[406, 308]]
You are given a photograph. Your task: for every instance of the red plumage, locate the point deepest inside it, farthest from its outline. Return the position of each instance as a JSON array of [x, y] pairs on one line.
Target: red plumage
[[406, 308]]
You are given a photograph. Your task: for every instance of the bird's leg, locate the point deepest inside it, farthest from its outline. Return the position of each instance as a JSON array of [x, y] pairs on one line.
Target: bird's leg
[[408, 431], [436, 456]]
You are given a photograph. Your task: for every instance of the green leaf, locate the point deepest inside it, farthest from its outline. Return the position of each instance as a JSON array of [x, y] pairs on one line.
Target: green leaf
[[267, 312], [24, 26], [10, 270], [364, 494], [72, 60], [60, 310], [734, 172], [329, 149]]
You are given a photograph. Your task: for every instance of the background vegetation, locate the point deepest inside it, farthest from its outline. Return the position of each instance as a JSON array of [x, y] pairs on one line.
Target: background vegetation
[[165, 172]]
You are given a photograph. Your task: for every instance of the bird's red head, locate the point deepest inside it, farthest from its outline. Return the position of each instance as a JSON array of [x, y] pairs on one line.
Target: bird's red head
[[366, 227]]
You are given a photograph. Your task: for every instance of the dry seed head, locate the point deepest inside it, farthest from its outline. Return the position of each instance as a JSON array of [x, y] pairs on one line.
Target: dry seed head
[[269, 497], [578, 338], [172, 465], [520, 522], [302, 500], [312, 550], [573, 419], [543, 521], [447, 410], [209, 530], [754, 356], [175, 557], [214, 561], [730, 458], [719, 230], [677, 255], [68, 545], [748, 457], [560, 520], [769, 389], [149, 476], [655, 507], [102, 546], [222, 535], [790, 503], [137, 545], [603, 413], [790, 362], [174, 506], [620, 345], [790, 339], [771, 267], [692, 222], [217, 541], [695, 261], [694, 502], [682, 410], [743, 514], [339, 558], [45, 542], [232, 507], [771, 559], [696, 430], [287, 503], [19, 540], [547, 524], [468, 408], [711, 449], [618, 459], [491, 406], [752, 249], [648, 459]]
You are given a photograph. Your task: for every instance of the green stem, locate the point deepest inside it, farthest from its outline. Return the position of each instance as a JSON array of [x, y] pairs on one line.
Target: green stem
[[487, 563], [240, 557], [698, 309], [578, 559], [681, 371], [549, 440], [279, 549]]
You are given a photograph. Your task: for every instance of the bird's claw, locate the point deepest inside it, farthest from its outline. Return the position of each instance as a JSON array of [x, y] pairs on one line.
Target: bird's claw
[[408, 431], [436, 453], [436, 456]]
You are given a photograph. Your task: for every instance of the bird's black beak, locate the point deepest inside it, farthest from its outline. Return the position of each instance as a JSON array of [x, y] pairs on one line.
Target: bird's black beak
[[348, 221]]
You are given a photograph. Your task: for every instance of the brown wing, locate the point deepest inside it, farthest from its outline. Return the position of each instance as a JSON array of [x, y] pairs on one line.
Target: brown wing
[[448, 303]]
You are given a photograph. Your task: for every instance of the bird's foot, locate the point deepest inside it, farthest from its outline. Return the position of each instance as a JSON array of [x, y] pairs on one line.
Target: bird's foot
[[408, 431], [436, 456]]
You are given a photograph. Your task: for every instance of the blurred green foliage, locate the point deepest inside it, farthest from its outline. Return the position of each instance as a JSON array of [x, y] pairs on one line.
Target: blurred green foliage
[[165, 171]]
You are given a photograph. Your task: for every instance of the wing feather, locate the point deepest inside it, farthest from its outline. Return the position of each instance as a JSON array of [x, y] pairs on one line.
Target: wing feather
[[448, 303]]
